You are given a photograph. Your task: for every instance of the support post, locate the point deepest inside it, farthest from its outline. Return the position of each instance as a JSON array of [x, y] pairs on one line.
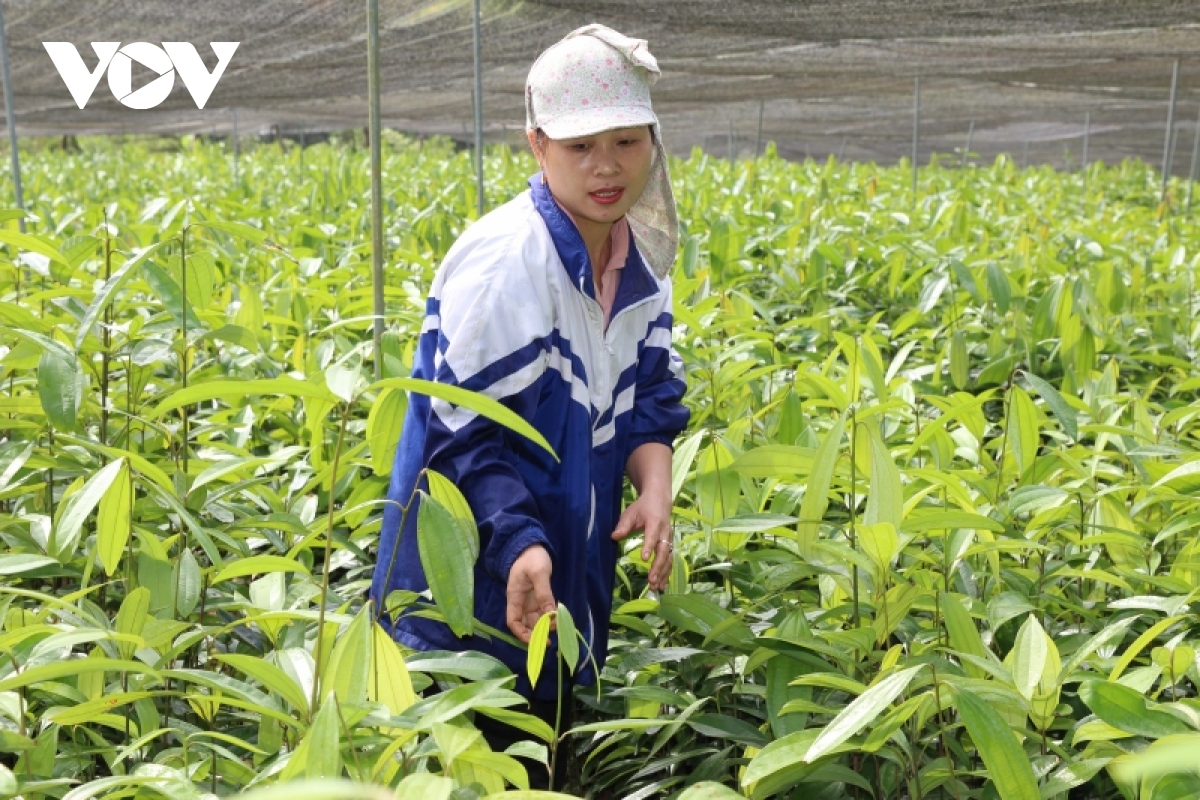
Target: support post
[[967, 150], [1166, 167], [376, 179], [732, 152], [758, 135], [1192, 171], [478, 98], [916, 134], [10, 115]]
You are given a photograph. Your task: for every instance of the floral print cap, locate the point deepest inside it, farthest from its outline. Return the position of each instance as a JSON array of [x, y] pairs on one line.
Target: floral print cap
[[596, 79]]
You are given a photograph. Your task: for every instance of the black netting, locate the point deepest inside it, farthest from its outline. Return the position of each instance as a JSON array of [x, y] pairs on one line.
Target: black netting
[[829, 76]]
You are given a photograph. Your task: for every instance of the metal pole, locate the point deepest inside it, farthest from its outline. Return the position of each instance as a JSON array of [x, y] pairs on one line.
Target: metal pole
[[1192, 171], [10, 114], [967, 149], [376, 178], [758, 135], [916, 134], [1087, 140], [1166, 167], [478, 101], [732, 153]]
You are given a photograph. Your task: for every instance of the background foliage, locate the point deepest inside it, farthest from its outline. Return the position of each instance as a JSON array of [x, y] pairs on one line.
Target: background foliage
[[936, 509]]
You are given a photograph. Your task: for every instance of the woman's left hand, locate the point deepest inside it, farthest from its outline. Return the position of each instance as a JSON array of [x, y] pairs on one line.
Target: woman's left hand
[[651, 513]]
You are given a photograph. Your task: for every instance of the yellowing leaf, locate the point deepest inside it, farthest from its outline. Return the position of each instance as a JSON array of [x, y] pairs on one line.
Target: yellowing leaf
[[114, 524]]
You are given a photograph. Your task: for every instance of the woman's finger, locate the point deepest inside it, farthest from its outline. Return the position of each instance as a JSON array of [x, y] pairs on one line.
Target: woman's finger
[[630, 521]]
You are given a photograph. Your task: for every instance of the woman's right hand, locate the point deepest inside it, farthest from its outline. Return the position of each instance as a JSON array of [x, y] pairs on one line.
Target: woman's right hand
[[529, 594]]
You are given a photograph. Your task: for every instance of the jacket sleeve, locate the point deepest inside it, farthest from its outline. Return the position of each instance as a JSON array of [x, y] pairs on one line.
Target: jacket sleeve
[[658, 411], [489, 344]]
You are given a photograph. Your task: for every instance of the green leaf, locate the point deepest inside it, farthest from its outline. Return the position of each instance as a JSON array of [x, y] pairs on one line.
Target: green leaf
[[781, 671], [270, 676], [319, 754], [1139, 645], [1110, 634], [681, 463], [390, 682], [61, 382], [109, 289], [16, 563], [726, 727], [428, 786], [114, 523], [880, 544], [132, 617], [446, 558], [999, 287], [481, 404], [229, 391], [1021, 429], [258, 564], [200, 275], [71, 668], [1028, 656], [350, 665], [445, 492], [919, 522], [90, 710], [964, 636], [168, 291], [816, 492], [1006, 762], [1170, 755], [241, 230], [1125, 708], [568, 638], [383, 428], [862, 711], [1062, 411], [34, 244], [960, 364], [188, 584], [538, 641], [709, 790], [233, 334], [780, 764], [886, 500], [76, 509]]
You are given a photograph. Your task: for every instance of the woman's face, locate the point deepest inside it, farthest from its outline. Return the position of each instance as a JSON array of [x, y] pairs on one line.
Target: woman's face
[[597, 178]]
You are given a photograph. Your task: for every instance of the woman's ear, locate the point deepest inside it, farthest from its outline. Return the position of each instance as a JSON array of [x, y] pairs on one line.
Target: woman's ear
[[536, 145]]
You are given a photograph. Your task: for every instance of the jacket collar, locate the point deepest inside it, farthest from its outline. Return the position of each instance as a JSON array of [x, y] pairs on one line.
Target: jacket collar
[[637, 283]]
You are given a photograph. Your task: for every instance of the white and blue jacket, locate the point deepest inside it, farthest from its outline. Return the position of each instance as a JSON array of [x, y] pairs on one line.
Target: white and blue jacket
[[512, 313]]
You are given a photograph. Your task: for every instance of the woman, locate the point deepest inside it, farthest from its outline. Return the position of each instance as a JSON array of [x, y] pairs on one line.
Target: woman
[[557, 304]]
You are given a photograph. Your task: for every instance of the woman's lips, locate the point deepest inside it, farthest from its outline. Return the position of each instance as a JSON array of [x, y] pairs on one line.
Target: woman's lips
[[607, 196]]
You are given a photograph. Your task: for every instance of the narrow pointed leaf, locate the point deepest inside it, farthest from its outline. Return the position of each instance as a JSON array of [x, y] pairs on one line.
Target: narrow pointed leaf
[[114, 523], [446, 558], [538, 641], [1006, 762], [864, 710]]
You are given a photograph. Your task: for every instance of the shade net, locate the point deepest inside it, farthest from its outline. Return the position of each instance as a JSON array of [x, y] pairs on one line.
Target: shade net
[[823, 76]]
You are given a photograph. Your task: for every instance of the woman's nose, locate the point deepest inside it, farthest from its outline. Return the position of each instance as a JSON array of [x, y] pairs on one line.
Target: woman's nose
[[607, 162]]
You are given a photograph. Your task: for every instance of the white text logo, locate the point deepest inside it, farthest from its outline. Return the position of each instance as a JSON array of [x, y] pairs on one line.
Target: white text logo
[[172, 57]]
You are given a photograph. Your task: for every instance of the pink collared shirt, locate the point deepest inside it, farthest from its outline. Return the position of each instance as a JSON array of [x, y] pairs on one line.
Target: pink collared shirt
[[610, 275]]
